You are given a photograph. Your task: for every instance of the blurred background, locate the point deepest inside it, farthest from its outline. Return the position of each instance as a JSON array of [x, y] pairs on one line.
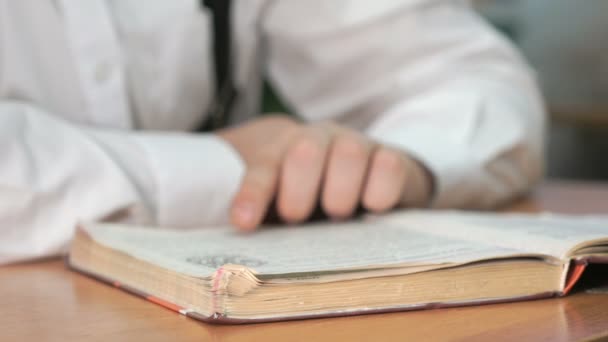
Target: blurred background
[[568, 45]]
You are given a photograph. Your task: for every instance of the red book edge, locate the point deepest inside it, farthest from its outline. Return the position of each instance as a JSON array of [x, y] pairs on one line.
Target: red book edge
[[574, 275], [577, 268]]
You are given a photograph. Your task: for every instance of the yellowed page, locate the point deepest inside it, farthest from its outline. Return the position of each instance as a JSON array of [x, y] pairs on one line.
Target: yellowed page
[[549, 234], [294, 249]]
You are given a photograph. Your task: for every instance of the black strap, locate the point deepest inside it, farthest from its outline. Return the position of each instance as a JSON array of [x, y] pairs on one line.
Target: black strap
[[225, 90]]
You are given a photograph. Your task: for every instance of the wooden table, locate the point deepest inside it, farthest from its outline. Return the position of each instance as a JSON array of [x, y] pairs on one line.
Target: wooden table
[[43, 301]]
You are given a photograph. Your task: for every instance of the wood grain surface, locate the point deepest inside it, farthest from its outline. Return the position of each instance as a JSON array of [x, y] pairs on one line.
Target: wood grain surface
[[42, 301]]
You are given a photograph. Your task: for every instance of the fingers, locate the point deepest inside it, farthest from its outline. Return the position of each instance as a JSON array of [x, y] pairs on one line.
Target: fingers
[[251, 202], [301, 175], [419, 184], [323, 157], [339, 168], [386, 180], [345, 175]]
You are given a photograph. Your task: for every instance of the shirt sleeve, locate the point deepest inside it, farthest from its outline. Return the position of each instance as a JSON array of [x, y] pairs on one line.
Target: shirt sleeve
[[54, 174], [429, 77]]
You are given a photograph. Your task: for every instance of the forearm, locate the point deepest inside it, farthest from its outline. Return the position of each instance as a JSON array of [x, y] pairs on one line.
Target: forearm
[[54, 174]]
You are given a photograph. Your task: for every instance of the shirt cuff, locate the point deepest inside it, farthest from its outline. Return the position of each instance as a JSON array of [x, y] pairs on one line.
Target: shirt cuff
[[454, 135], [196, 176], [447, 163]]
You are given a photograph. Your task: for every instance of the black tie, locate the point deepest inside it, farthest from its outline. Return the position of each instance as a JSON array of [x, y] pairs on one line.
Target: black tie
[[218, 115]]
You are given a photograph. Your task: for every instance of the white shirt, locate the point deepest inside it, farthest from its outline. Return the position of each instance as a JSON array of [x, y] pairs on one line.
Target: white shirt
[[90, 91]]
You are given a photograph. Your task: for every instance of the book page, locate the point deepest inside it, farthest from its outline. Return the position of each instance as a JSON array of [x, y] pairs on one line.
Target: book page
[[550, 234], [293, 249]]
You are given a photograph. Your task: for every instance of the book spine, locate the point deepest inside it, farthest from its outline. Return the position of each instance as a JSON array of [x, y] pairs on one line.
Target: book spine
[[134, 291], [221, 280]]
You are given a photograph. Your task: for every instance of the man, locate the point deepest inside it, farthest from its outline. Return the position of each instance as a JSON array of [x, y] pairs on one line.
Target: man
[[404, 103]]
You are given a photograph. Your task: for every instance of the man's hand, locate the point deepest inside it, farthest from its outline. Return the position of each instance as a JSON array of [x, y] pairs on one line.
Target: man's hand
[[300, 165]]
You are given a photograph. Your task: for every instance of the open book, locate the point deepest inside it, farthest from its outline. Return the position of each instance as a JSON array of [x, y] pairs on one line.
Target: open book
[[403, 261]]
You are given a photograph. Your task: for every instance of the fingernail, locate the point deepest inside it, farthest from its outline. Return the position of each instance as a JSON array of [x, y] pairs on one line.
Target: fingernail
[[244, 214]]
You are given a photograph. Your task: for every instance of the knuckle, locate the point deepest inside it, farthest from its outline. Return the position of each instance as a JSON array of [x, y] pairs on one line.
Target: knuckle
[[351, 147], [328, 125], [282, 126], [389, 161], [306, 148]]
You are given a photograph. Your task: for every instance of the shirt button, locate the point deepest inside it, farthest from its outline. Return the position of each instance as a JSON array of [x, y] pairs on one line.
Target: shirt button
[[103, 71]]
